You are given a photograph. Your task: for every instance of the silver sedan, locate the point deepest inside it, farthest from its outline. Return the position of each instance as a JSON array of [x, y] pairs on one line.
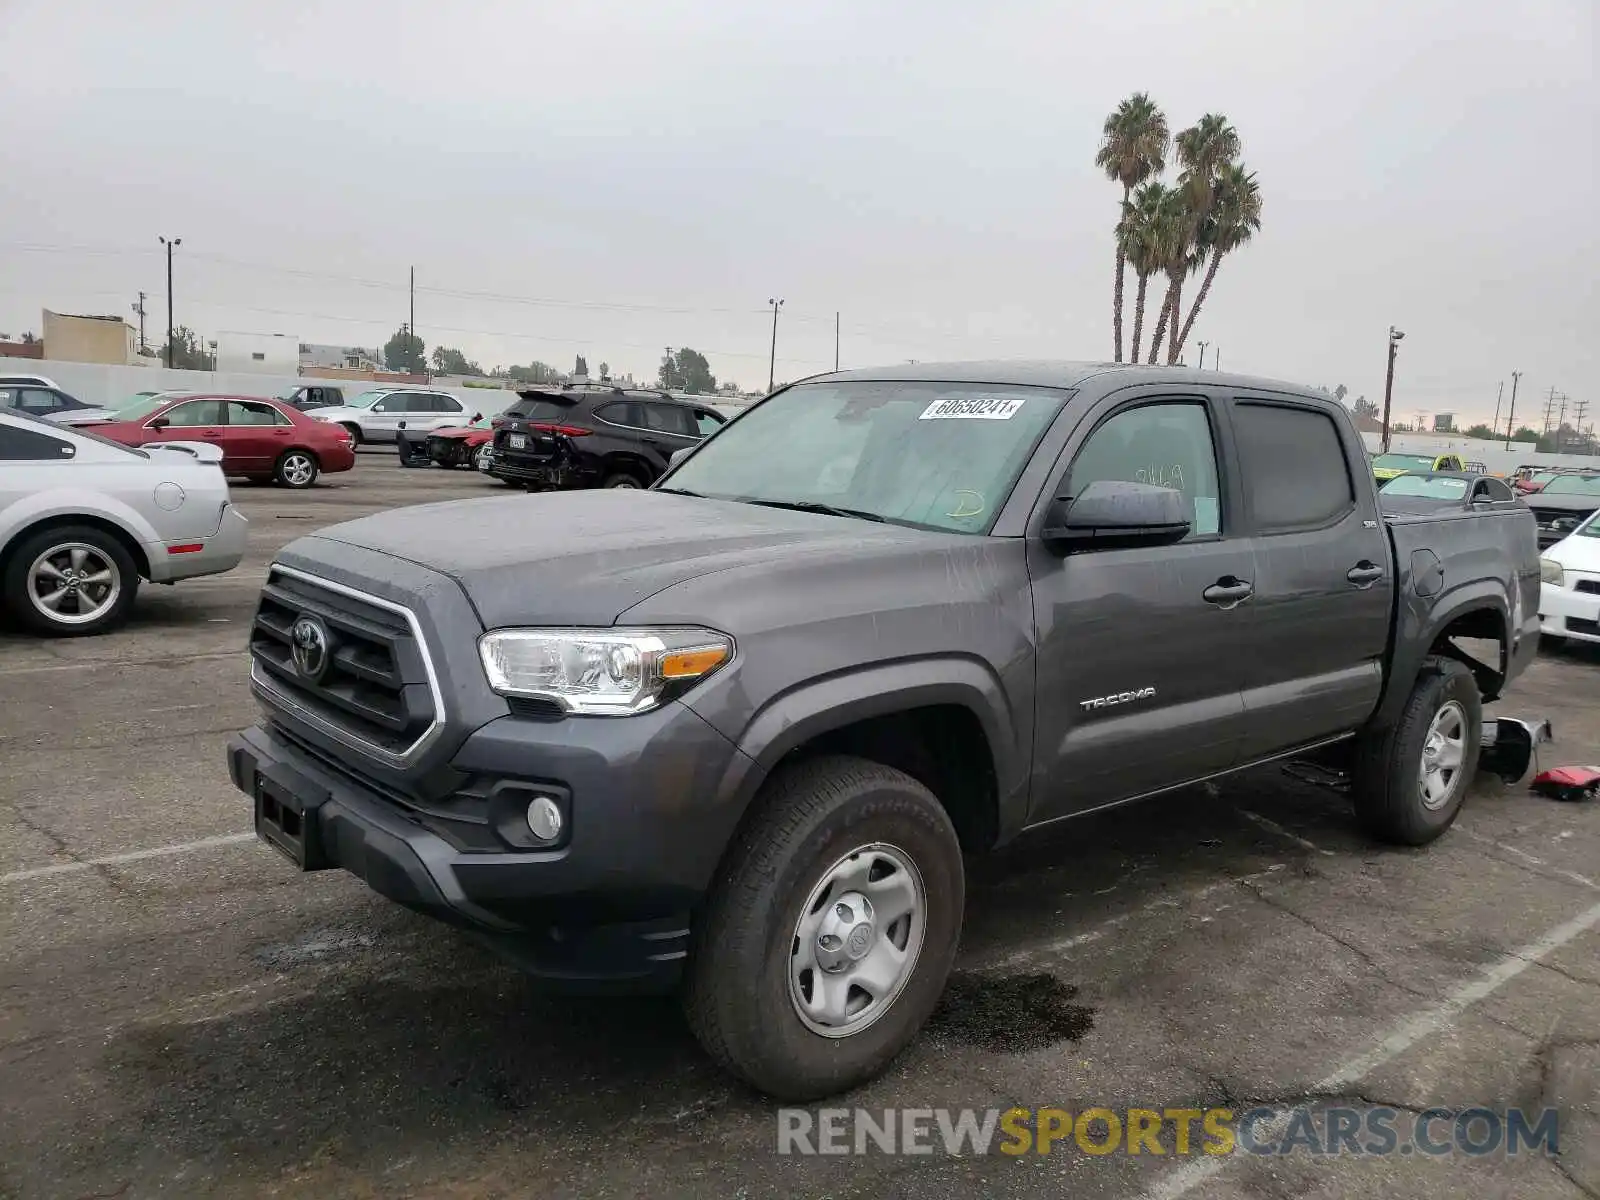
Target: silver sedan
[[83, 520]]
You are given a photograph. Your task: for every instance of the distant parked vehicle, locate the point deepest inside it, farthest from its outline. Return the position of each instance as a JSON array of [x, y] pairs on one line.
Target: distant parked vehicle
[[595, 435], [467, 446], [113, 412], [44, 401], [29, 381], [1564, 503], [1386, 466], [375, 416], [82, 520], [1434, 491], [259, 439], [312, 395]]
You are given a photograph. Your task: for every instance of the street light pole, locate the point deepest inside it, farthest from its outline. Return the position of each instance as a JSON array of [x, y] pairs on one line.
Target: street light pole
[[171, 246], [772, 365], [1202, 364], [1388, 384], [1511, 417]]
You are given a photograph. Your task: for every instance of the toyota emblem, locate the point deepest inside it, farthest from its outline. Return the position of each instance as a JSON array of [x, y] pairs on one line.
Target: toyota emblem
[[308, 638]]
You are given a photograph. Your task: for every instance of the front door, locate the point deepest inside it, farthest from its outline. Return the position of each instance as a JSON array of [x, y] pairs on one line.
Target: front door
[[1139, 649], [1324, 580], [383, 420], [192, 421]]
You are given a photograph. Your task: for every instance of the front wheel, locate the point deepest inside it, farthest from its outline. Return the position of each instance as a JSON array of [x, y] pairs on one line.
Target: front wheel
[[296, 469], [1411, 779], [355, 434], [72, 581], [622, 480], [830, 932]]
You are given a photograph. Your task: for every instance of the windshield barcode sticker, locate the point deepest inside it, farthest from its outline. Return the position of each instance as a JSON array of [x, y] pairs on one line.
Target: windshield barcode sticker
[[974, 409]]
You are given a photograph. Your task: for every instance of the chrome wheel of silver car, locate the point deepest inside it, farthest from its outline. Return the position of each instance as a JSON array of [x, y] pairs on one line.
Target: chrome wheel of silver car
[[297, 470], [73, 583], [857, 940], [1443, 753], [485, 455]]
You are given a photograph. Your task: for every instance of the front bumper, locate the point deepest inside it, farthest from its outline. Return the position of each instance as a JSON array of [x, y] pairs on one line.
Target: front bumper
[[222, 551], [1566, 612], [609, 907]]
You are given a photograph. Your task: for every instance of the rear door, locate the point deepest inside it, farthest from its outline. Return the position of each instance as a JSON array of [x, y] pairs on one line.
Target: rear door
[[1140, 649], [1324, 587], [447, 411], [256, 434]]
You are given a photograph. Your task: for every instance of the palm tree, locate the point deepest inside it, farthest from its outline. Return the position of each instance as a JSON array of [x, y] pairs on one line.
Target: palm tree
[[1234, 218], [1133, 149], [1138, 236], [1173, 247], [1204, 148]]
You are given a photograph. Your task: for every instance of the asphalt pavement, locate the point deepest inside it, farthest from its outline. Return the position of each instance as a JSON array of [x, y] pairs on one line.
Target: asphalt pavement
[[183, 1015]]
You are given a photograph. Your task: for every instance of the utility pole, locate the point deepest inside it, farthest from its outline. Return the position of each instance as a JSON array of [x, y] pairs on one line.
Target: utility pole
[[772, 363], [1216, 359], [1421, 420], [411, 327], [1560, 422], [1202, 365], [668, 349], [835, 341], [1578, 409], [1549, 408], [139, 308], [1511, 416], [1495, 424], [1388, 385], [171, 246]]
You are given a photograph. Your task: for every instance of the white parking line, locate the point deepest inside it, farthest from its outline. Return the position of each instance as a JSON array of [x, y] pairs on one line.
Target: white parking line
[[111, 860], [1402, 1037], [1274, 828], [1531, 860], [101, 664]]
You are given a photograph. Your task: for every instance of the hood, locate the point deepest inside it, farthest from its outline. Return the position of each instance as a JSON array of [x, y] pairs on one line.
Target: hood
[[335, 411], [584, 558], [460, 431]]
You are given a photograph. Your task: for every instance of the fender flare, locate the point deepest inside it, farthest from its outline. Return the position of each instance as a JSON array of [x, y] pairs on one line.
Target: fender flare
[[834, 701], [1418, 630]]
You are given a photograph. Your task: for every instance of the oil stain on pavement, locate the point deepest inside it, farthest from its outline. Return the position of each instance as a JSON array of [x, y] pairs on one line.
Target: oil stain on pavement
[[1010, 1013]]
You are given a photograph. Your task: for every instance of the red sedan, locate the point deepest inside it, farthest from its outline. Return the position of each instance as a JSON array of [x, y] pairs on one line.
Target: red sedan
[[260, 439]]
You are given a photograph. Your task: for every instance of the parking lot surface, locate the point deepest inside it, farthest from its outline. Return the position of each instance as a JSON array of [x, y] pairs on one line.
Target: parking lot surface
[[182, 1015]]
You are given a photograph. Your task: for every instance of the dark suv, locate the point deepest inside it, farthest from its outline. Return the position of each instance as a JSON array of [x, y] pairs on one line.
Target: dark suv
[[594, 435]]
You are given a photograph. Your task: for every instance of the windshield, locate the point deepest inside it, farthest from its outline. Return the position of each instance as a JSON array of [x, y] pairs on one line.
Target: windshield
[[1403, 462], [930, 455], [365, 399], [1573, 485], [1426, 488]]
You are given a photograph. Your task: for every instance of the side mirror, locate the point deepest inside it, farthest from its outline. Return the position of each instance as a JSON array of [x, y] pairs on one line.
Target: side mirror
[[1111, 515], [160, 423], [678, 456]]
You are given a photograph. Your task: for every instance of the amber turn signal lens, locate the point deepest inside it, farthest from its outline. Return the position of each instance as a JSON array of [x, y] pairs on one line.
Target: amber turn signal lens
[[691, 664]]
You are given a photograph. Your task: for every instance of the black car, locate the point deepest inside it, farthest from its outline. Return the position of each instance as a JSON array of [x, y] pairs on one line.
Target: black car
[[1428, 492], [48, 403], [594, 435], [309, 396], [1563, 503]]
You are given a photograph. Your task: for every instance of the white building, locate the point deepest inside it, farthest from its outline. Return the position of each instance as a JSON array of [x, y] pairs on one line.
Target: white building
[[351, 358], [258, 353]]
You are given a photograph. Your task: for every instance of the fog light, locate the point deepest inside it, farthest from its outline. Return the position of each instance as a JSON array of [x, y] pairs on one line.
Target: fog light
[[544, 818]]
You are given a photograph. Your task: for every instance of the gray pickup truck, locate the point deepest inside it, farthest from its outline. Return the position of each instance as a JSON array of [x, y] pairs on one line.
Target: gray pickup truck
[[733, 734]]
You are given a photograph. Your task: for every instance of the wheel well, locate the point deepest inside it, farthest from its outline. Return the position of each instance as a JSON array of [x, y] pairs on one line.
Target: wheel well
[[1480, 625], [128, 541], [315, 457], [628, 464], [352, 429], [942, 747]]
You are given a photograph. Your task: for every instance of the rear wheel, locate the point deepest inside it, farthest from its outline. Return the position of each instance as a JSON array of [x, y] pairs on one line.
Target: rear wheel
[[1411, 779], [622, 479], [831, 931], [71, 581], [296, 469]]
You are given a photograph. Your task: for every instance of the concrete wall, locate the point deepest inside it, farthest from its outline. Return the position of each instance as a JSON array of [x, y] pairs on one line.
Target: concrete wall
[[1492, 454], [97, 383]]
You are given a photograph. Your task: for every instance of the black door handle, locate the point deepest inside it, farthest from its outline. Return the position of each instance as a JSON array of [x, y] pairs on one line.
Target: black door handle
[[1228, 591], [1364, 574]]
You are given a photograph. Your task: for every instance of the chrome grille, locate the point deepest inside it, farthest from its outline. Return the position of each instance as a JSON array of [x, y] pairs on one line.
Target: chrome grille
[[377, 691]]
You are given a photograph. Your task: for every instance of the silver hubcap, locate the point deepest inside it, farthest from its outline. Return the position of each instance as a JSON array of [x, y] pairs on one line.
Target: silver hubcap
[[857, 940], [483, 459], [1443, 752], [73, 583], [297, 470]]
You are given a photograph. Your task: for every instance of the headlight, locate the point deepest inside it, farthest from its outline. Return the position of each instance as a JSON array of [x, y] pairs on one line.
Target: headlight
[[1550, 571], [601, 672]]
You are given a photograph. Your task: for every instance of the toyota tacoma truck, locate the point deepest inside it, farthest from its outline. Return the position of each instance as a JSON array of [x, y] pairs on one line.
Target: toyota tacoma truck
[[733, 734]]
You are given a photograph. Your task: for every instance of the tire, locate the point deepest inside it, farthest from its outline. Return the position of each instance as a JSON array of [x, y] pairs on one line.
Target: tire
[[296, 469], [355, 434], [84, 548], [622, 479], [481, 457], [816, 820], [1389, 791]]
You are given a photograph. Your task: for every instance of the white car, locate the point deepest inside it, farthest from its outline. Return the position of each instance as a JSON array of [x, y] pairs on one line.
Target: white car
[[84, 519], [375, 416], [1569, 600], [29, 381]]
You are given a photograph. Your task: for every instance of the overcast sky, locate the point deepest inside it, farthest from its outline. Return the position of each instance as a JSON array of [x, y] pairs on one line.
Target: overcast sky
[[611, 178]]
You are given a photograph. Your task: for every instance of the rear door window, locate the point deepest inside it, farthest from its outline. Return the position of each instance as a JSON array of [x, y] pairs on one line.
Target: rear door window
[[623, 412], [668, 418], [1293, 466]]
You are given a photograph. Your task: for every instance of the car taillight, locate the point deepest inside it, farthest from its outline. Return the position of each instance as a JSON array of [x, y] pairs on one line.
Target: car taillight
[[497, 423], [564, 430]]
